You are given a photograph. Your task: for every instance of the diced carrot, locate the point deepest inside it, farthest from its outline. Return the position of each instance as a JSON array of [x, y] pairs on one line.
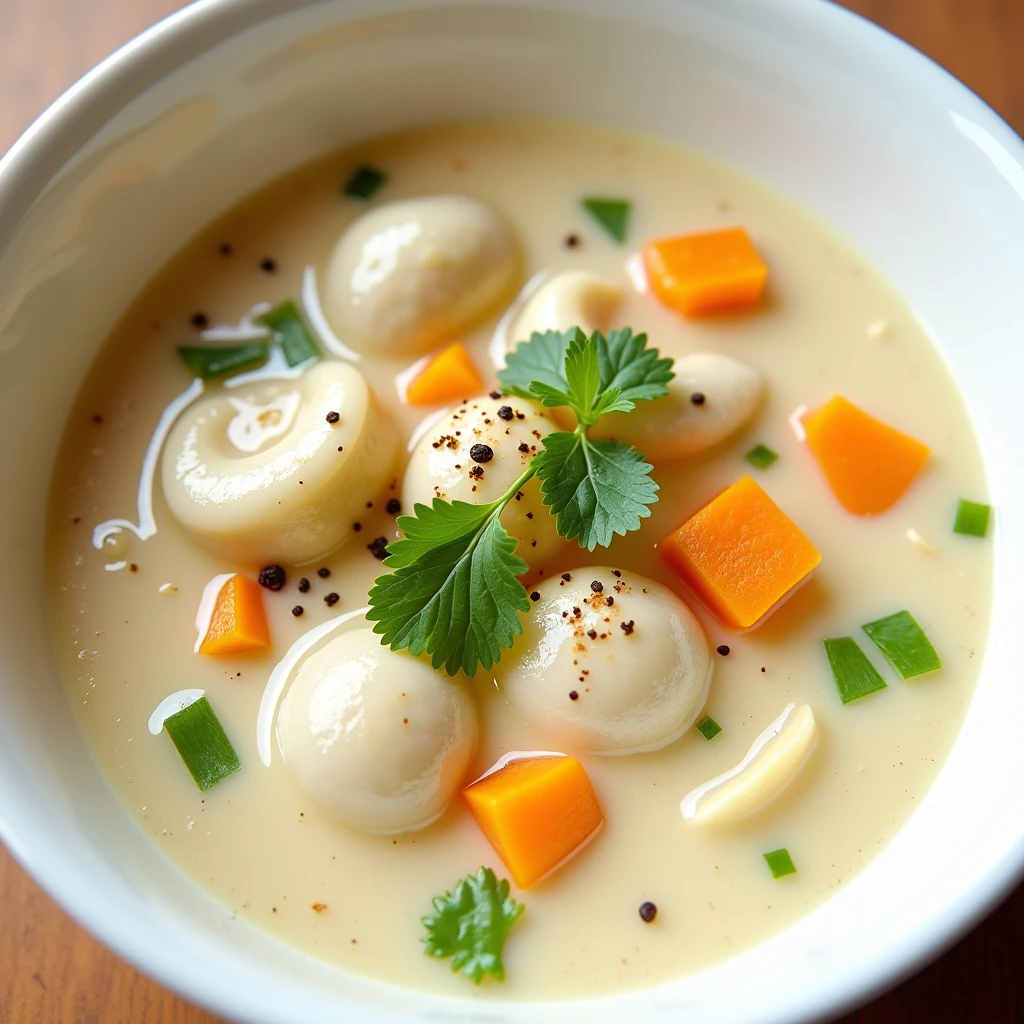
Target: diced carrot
[[238, 622], [707, 273], [537, 812], [447, 377], [867, 463], [740, 554]]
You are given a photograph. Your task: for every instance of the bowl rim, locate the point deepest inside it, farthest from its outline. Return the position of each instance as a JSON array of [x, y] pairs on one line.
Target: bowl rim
[[49, 142]]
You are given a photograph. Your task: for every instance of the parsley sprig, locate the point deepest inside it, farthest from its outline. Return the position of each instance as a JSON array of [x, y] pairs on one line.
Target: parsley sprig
[[454, 592], [470, 925]]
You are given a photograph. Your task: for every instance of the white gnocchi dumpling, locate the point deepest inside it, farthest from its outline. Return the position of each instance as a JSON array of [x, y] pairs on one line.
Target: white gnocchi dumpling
[[475, 454], [410, 274], [375, 737], [709, 399], [608, 662], [574, 298], [278, 471]]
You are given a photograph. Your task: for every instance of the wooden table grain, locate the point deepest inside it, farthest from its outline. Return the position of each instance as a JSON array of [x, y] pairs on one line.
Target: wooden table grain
[[51, 971]]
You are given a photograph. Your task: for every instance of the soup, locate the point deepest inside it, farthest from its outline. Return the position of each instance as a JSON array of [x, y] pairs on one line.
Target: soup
[[669, 714]]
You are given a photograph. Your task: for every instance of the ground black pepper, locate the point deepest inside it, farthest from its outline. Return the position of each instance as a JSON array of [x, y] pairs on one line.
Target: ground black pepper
[[592, 633], [566, 577], [524, 448], [297, 610], [225, 249], [697, 398], [268, 266], [495, 395], [572, 241], [609, 600], [573, 695], [331, 599], [200, 320], [535, 596], [596, 586], [323, 572], [723, 650], [481, 453], [378, 548], [303, 585], [615, 572], [272, 577], [648, 912], [332, 417], [627, 627], [393, 507], [356, 527], [505, 412]]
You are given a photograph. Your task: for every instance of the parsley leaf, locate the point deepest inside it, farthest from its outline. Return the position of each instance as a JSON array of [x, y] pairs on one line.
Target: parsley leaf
[[640, 373], [596, 488], [611, 214], [470, 925], [454, 592], [537, 364]]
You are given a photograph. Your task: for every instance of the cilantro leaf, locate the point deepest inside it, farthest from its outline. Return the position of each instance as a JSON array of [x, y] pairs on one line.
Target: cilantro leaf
[[595, 488], [470, 924], [538, 363], [611, 214], [640, 373], [454, 592]]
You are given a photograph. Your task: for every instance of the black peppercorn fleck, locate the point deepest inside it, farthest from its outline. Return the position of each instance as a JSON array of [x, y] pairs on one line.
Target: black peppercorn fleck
[[393, 507], [505, 412], [571, 241], [615, 572], [596, 586], [524, 448], [268, 265], [200, 320], [225, 249], [627, 627], [272, 577], [535, 596], [573, 695], [331, 599], [609, 600], [697, 398], [763, 669], [495, 395], [648, 912], [323, 572], [566, 577], [303, 586], [332, 417], [723, 649], [297, 610], [378, 548], [356, 527], [592, 633], [481, 453]]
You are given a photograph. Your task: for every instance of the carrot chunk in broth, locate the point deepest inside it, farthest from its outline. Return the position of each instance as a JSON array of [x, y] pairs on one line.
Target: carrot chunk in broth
[[238, 622], [449, 376]]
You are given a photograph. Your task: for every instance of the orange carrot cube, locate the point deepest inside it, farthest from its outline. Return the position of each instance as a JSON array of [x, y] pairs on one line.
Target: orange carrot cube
[[706, 273], [447, 377], [740, 554], [537, 812], [238, 622], [867, 463]]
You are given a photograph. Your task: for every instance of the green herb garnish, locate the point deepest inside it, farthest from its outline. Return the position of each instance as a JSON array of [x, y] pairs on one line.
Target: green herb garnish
[[855, 676], [454, 592], [780, 863], [210, 363], [611, 214], [365, 181], [297, 344], [761, 456], [708, 728], [470, 925], [972, 518], [904, 644], [202, 743]]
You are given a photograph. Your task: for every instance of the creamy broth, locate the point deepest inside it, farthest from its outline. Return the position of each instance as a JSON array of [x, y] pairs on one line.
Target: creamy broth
[[124, 636]]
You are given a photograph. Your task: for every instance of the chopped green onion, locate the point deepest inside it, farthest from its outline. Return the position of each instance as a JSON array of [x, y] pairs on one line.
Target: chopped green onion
[[780, 863], [761, 456], [202, 743], [708, 728], [971, 518], [210, 363], [291, 333], [855, 676], [904, 644], [611, 214], [365, 181]]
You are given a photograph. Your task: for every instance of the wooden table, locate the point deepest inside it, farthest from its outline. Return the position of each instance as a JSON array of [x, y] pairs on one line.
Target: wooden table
[[52, 972]]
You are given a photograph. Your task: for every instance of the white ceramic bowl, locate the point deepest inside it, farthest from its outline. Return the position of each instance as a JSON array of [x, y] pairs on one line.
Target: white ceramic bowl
[[226, 95]]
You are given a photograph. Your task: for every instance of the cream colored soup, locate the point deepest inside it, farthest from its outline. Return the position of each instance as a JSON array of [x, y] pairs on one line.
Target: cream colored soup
[[123, 615]]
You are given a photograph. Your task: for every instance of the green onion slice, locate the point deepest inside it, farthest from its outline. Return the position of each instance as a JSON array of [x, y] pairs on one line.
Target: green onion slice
[[972, 518], [202, 743], [611, 214], [708, 728], [210, 363], [855, 676], [291, 333], [780, 863], [365, 181], [762, 456], [904, 644]]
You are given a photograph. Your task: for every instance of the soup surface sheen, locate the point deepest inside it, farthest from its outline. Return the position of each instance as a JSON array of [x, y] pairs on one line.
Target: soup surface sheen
[[125, 636]]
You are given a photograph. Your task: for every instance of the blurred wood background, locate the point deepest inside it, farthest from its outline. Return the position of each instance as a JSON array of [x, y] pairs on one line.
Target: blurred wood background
[[52, 972]]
